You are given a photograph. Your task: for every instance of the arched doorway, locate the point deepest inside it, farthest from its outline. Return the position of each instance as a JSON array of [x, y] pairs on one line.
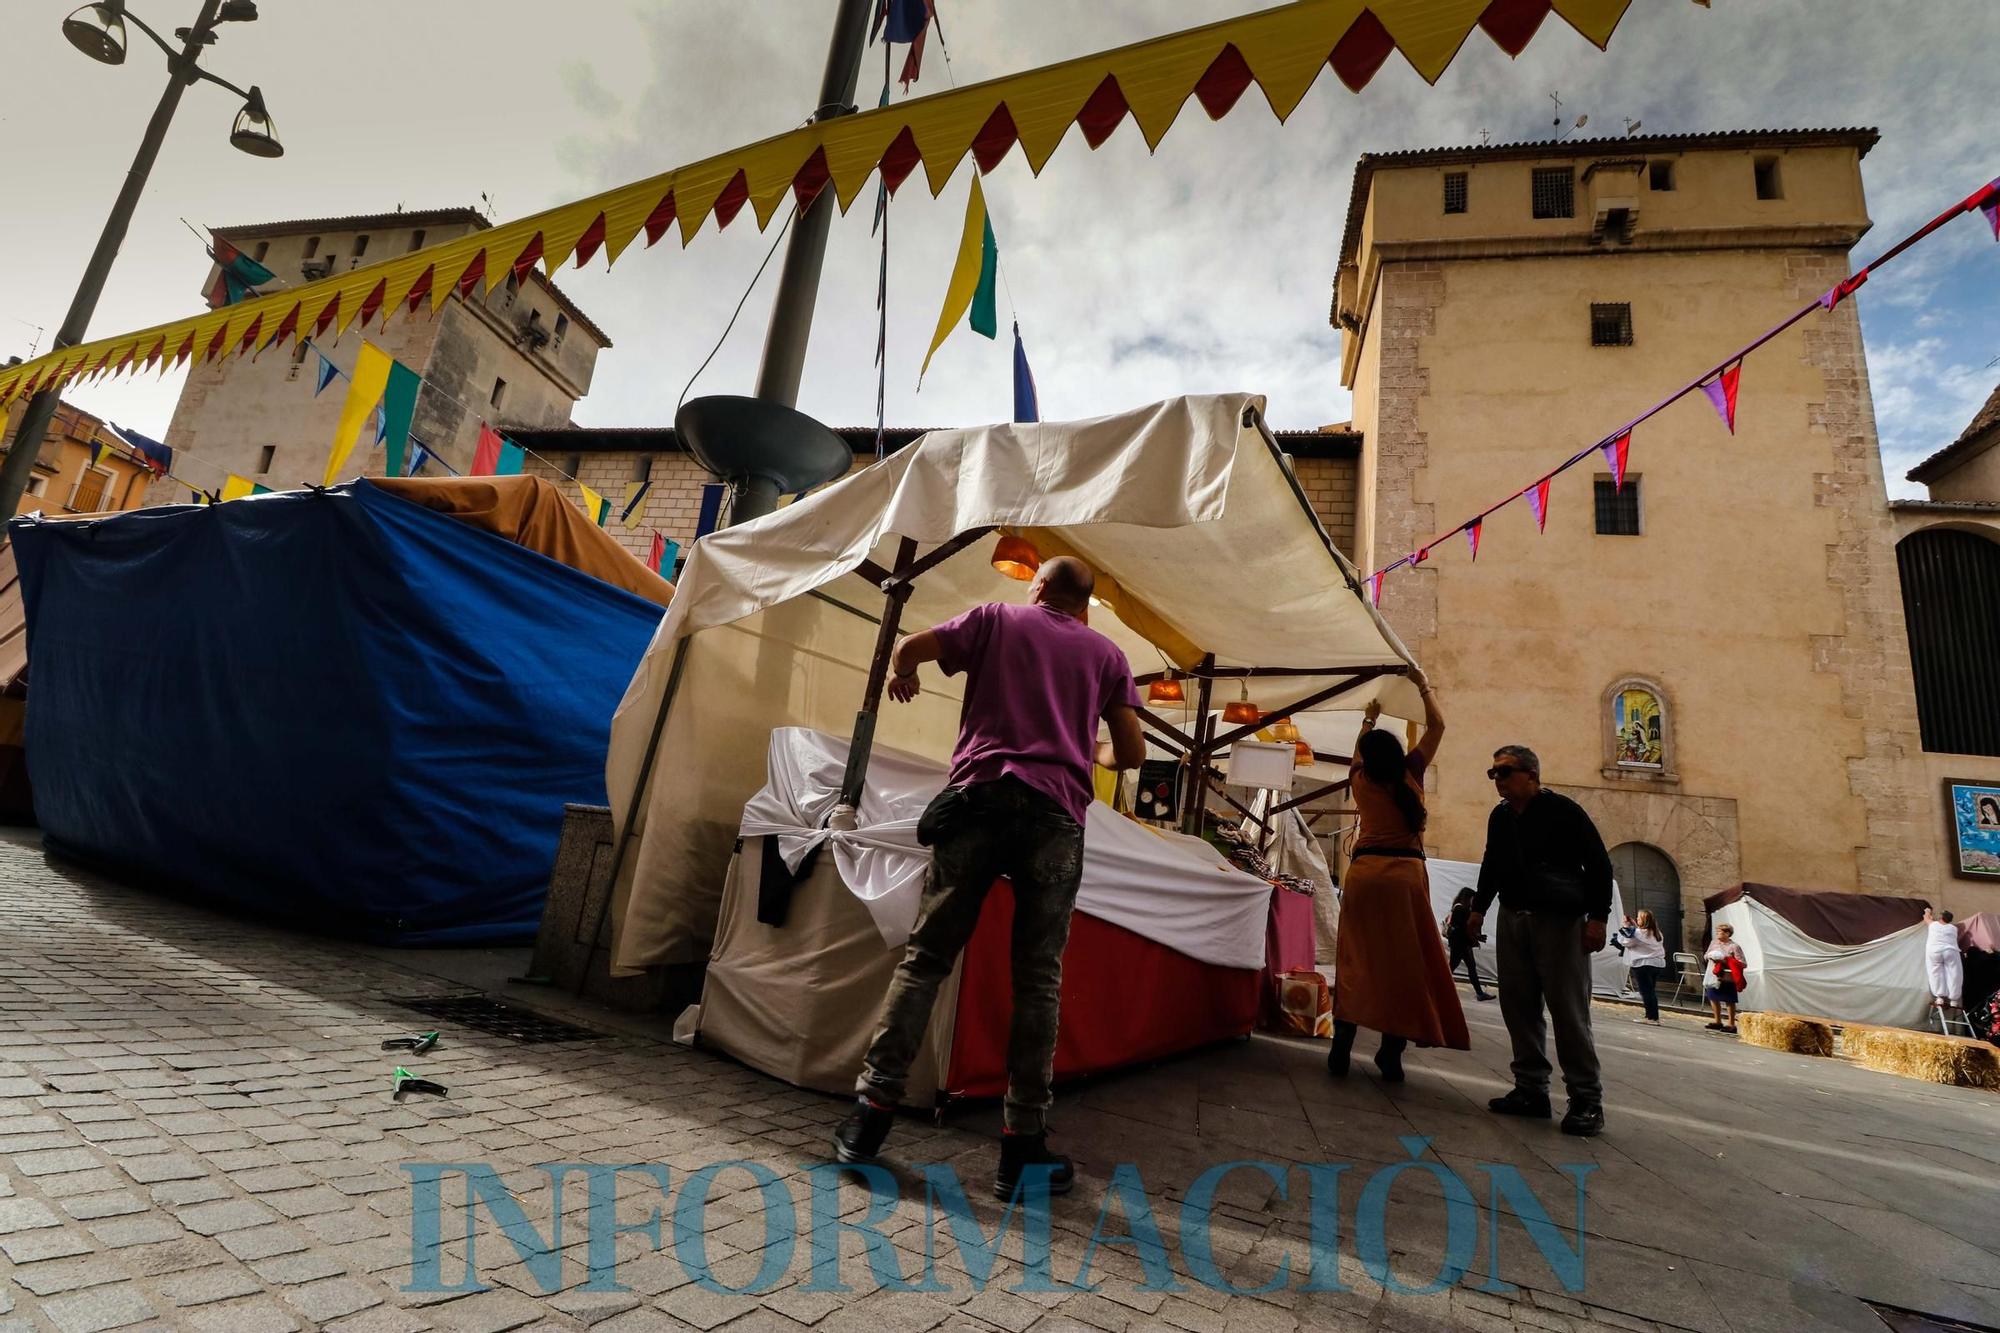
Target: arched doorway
[[1648, 879]]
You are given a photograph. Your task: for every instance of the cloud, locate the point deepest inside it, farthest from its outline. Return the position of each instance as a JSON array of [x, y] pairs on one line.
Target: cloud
[[1924, 398]]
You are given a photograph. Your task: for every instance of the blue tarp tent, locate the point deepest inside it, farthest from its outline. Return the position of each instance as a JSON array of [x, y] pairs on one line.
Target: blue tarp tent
[[340, 708]]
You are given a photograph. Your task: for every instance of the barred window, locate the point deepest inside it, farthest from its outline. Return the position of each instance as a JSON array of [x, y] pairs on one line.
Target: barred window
[[1611, 325], [1617, 507], [1454, 192], [1555, 192]]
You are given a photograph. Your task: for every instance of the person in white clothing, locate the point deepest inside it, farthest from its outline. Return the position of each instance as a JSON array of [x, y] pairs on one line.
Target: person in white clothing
[[1645, 950], [1943, 961], [1722, 961]]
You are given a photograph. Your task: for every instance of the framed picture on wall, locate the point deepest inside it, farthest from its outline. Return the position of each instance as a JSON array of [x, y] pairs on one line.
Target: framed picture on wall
[[1973, 809]]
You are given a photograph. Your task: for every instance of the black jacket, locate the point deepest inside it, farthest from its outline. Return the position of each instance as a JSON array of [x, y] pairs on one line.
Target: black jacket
[[1533, 859]]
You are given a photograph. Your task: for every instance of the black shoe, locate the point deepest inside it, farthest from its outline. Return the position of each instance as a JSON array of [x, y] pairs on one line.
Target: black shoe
[[860, 1136], [1532, 1105], [1018, 1152], [1343, 1047], [1390, 1059], [1714, 1027], [1483, 998], [1585, 1122]]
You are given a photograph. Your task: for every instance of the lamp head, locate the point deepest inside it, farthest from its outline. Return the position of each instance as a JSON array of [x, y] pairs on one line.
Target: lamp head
[[254, 131], [98, 30]]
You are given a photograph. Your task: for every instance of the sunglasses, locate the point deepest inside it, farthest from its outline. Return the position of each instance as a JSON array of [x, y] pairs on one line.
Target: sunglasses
[[1499, 771]]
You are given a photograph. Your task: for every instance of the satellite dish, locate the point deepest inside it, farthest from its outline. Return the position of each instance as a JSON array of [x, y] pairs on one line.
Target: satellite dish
[[764, 449], [1582, 120]]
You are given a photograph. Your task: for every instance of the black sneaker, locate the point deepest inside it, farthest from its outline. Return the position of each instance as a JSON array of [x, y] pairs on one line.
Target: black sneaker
[[1021, 1151], [860, 1136], [1585, 1122], [1531, 1105]]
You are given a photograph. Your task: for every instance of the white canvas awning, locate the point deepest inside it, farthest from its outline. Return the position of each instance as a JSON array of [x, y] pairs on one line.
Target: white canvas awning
[[1202, 540]]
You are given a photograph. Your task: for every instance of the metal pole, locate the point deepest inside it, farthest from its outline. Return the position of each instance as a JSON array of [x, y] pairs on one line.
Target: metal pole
[[784, 356], [41, 410]]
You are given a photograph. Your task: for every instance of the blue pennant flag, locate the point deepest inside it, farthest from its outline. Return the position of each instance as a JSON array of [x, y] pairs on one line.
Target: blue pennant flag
[[419, 456], [326, 374], [1027, 406], [381, 425]]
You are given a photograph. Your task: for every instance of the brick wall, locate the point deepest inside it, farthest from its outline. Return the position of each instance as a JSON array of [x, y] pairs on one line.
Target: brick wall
[[1330, 484]]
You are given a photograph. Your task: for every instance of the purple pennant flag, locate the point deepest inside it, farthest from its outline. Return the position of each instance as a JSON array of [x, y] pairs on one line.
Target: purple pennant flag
[[1472, 537], [1375, 587], [1615, 454], [1538, 501], [1991, 208], [1721, 392]]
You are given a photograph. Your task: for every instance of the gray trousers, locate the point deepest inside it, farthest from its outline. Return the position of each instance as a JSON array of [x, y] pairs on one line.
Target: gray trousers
[[1006, 828], [1542, 963]]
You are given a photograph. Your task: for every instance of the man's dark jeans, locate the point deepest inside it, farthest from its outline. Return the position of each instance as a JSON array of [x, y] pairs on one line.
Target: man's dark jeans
[[1004, 828]]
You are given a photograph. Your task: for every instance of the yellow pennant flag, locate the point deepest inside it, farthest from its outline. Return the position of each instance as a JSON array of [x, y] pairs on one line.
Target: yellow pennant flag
[[971, 277], [371, 377], [235, 488]]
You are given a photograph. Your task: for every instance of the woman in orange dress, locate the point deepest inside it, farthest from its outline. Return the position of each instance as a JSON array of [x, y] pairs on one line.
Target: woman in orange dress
[[1390, 973]]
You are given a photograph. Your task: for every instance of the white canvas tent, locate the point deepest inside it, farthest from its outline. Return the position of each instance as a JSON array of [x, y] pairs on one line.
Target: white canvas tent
[[1208, 556], [1788, 971]]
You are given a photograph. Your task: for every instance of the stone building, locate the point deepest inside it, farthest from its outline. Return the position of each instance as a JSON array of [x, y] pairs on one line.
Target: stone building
[[72, 474], [520, 354], [607, 460], [1712, 658], [1948, 552]]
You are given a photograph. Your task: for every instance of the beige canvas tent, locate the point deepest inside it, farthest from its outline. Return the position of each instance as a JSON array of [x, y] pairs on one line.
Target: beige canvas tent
[[1210, 561]]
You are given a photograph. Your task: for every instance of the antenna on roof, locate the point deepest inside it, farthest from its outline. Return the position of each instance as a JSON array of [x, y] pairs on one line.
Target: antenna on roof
[[1485, 136], [1631, 127], [486, 204], [1557, 99]]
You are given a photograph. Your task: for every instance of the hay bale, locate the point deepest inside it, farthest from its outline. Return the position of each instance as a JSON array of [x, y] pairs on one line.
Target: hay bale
[[1958, 1062], [1786, 1032]]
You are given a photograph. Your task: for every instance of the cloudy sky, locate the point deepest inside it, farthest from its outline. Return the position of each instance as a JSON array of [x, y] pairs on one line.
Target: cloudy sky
[[1134, 276]]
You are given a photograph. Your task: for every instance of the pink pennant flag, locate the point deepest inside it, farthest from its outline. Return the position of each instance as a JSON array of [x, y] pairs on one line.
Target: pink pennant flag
[[1614, 458], [1375, 588], [1990, 206], [1538, 500], [1721, 391], [1472, 537], [1423, 554]]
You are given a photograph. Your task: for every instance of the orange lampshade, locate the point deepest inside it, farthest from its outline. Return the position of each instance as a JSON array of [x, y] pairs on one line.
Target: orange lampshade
[[1305, 752], [1240, 712], [1016, 557], [1285, 731], [1166, 691]]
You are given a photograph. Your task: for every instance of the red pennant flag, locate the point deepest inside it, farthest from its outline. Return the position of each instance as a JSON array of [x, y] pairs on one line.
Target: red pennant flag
[[1721, 392], [1538, 500], [421, 289], [1615, 454], [588, 243], [659, 550], [326, 317], [1423, 554], [474, 273], [374, 302], [1375, 588], [486, 457], [528, 258], [1472, 537]]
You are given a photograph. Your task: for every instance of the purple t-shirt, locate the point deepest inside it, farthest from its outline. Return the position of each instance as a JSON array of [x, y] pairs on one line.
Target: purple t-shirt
[[1037, 681]]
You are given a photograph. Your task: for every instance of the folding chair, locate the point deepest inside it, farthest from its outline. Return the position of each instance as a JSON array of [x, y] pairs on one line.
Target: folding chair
[[1689, 967]]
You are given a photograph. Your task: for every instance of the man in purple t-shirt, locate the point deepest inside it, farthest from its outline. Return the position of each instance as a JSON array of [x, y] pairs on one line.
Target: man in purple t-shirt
[[1038, 682]]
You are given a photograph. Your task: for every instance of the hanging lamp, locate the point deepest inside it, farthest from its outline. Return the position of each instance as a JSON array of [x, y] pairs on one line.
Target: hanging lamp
[[1241, 711], [1166, 690], [1016, 557]]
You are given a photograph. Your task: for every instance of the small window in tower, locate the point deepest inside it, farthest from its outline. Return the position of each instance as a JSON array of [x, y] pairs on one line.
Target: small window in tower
[[562, 328], [1618, 507], [299, 351], [1611, 325], [573, 466], [1768, 184], [312, 246], [265, 457], [1454, 191], [1554, 192], [263, 248], [360, 245], [417, 239], [642, 468], [1660, 176], [513, 285], [499, 393]]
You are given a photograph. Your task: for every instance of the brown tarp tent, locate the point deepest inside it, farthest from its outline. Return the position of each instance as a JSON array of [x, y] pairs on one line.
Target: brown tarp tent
[[531, 512], [1828, 916]]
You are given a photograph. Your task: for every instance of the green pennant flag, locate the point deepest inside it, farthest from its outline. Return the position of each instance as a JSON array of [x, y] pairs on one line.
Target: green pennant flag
[[399, 410]]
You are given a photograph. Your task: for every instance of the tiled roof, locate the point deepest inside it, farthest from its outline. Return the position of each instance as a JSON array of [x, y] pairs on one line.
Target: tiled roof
[[1947, 506], [1631, 144], [1983, 431], [428, 217]]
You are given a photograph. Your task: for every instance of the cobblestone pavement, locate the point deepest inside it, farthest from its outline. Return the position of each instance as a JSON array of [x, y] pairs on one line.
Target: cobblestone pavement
[[197, 1132]]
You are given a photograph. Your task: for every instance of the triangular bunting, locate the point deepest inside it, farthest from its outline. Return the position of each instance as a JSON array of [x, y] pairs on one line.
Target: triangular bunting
[[1615, 453], [326, 374], [1538, 500], [1472, 537], [1375, 588], [635, 503], [595, 507], [1990, 205], [1721, 392], [486, 455], [399, 411]]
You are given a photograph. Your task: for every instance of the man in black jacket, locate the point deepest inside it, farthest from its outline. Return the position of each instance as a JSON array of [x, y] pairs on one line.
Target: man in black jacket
[[1546, 862]]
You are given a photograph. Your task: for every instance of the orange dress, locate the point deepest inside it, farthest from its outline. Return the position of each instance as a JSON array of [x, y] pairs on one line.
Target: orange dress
[[1390, 971]]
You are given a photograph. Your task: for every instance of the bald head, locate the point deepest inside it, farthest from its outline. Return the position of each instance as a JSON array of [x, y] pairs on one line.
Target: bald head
[[1064, 583]]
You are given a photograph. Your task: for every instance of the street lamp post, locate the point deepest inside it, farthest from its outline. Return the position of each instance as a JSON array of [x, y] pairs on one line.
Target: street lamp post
[[98, 30]]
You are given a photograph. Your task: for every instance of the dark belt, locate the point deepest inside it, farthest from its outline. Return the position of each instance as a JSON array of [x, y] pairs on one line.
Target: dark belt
[[1411, 852]]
